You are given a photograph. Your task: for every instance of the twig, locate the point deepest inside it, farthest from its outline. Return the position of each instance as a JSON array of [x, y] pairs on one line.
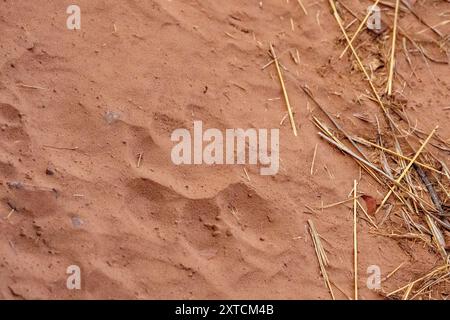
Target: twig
[[340, 289], [366, 142], [31, 87], [139, 160], [313, 160], [411, 284], [246, 174], [302, 6], [399, 179], [415, 14], [61, 148], [273, 59], [408, 58], [311, 209], [361, 161], [331, 205], [361, 66], [358, 30], [393, 272], [286, 97], [10, 213], [394, 38], [348, 151], [342, 3], [367, 216], [321, 255], [308, 92], [355, 239], [434, 196]]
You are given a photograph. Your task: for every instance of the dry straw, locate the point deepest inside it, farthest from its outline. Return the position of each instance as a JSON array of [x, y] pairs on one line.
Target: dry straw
[[283, 86], [321, 255]]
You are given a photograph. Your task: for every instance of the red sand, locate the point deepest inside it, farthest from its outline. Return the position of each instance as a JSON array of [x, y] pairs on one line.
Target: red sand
[[166, 231]]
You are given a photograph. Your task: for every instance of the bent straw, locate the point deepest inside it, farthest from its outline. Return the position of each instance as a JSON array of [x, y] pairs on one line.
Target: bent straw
[[343, 148], [399, 179], [364, 141], [321, 256]]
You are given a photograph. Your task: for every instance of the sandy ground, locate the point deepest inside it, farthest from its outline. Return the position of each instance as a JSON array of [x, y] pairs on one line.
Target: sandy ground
[[164, 231]]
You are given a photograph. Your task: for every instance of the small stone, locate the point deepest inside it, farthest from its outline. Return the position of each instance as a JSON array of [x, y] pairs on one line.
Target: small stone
[[77, 222], [111, 117], [15, 184]]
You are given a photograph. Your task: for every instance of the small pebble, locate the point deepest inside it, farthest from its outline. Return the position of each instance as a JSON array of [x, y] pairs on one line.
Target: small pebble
[[111, 117], [77, 222]]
